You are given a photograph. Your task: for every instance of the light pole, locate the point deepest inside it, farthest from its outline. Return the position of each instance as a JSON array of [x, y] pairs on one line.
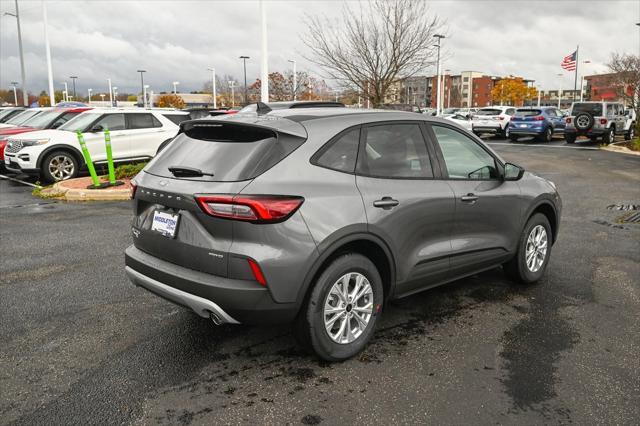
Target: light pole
[[539, 94], [110, 93], [144, 100], [264, 63], [25, 96], [244, 60], [295, 80], [73, 78], [336, 91], [66, 92], [175, 87], [115, 95], [89, 91], [582, 82], [52, 95], [439, 37], [102, 96], [444, 85], [560, 90], [65, 96], [213, 87], [144, 95], [233, 95], [15, 93]]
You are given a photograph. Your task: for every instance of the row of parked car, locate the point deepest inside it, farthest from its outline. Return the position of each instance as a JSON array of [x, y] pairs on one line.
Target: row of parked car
[[592, 119]]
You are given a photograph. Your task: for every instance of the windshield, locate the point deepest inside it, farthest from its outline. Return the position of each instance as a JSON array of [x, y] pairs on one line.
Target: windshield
[[7, 112], [593, 109], [528, 112], [489, 111], [42, 121], [22, 117], [81, 122]]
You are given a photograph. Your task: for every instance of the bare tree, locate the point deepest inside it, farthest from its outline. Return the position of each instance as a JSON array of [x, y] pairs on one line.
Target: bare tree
[[625, 78], [374, 46]]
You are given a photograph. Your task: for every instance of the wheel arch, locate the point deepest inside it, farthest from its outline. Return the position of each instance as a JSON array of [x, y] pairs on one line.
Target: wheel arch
[[366, 244], [546, 208], [67, 148]]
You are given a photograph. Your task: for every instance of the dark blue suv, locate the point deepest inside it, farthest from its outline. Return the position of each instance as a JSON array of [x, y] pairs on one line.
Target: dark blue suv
[[541, 122]]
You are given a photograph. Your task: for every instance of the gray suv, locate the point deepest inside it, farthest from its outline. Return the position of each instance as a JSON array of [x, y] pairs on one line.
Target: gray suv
[[319, 217]]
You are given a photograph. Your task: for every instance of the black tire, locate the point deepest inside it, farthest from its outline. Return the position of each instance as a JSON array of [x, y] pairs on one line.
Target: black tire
[[630, 133], [69, 166], [517, 268], [608, 136], [570, 137], [547, 135], [506, 133], [513, 138], [309, 326]]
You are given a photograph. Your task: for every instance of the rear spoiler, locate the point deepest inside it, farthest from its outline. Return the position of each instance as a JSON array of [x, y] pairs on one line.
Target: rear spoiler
[[277, 125]]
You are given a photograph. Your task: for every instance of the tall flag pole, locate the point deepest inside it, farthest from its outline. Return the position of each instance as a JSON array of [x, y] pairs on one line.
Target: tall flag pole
[[575, 79]]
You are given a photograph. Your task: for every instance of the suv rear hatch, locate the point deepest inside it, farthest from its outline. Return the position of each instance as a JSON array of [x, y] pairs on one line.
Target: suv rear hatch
[[207, 157]]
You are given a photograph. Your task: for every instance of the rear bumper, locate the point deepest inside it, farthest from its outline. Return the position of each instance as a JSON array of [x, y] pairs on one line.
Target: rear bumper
[[233, 301], [590, 132], [482, 129]]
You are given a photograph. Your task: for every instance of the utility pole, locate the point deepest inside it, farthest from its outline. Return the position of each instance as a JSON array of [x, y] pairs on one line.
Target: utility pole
[[73, 78], [52, 94], [89, 91], [110, 93], [213, 87], [175, 87], [233, 95], [66, 92], [439, 37], [295, 79], [244, 60], [144, 95], [560, 91], [264, 67], [25, 96], [144, 99]]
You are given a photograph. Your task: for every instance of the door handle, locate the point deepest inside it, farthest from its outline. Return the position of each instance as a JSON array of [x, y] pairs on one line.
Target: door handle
[[386, 203], [469, 198]]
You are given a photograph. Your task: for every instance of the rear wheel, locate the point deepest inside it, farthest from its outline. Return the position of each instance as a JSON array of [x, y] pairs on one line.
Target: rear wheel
[[341, 313], [630, 133], [59, 165], [609, 136], [534, 250], [570, 137], [513, 138]]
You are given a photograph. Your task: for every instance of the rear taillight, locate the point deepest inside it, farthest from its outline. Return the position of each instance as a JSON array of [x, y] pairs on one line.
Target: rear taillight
[[538, 118], [251, 208], [257, 272], [568, 120], [500, 118], [603, 121], [134, 188]]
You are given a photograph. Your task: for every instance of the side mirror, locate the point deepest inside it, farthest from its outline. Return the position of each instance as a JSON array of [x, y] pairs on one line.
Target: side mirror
[[513, 172], [96, 128]]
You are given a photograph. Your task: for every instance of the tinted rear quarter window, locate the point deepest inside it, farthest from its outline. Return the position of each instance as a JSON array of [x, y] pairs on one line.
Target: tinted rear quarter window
[[179, 118], [142, 121], [340, 154]]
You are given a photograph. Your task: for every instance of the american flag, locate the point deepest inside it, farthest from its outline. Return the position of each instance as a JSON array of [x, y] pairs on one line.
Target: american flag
[[569, 62]]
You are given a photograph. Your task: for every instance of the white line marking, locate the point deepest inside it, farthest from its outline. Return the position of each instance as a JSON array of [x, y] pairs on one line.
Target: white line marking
[[544, 146], [19, 181]]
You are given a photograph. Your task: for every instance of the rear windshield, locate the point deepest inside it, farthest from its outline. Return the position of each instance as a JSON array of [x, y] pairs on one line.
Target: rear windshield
[[593, 109], [22, 117], [8, 113], [41, 121], [489, 112], [528, 112], [179, 118], [231, 152]]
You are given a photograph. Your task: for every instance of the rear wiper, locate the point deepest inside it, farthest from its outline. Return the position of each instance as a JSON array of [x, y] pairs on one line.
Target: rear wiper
[[182, 171]]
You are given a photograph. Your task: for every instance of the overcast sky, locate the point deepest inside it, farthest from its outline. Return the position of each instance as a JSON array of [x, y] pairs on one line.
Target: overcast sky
[[178, 40]]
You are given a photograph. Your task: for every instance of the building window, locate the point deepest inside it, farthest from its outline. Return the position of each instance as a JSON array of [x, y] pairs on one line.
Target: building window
[[465, 79]]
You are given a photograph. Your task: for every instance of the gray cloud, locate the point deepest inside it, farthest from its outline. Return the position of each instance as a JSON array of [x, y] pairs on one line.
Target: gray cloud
[[178, 40]]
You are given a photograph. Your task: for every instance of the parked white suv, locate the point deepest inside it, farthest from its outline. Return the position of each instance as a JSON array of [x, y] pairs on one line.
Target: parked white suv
[[493, 120], [136, 135]]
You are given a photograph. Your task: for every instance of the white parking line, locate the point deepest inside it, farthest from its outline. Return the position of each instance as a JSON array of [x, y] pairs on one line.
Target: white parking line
[[19, 181], [545, 146]]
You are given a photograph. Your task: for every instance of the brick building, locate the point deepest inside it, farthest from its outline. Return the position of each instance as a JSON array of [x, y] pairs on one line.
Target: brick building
[[602, 87]]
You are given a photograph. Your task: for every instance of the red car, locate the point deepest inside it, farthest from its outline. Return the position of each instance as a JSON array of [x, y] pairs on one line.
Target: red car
[[50, 119]]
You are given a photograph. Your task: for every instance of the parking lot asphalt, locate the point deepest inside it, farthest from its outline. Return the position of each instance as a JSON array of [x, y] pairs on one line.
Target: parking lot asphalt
[[80, 345]]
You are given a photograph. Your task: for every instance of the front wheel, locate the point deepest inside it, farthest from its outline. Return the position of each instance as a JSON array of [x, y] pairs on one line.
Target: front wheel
[[341, 313], [59, 165], [547, 135], [506, 132], [534, 250], [608, 136]]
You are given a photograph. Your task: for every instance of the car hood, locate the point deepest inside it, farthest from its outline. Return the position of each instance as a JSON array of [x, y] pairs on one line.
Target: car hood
[[59, 135]]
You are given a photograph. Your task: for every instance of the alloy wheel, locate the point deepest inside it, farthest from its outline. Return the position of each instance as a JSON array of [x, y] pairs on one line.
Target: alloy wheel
[[348, 308], [61, 167], [536, 249]]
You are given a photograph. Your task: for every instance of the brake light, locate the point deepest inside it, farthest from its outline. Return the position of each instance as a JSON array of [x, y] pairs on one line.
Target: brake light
[[603, 121], [500, 118], [251, 208], [568, 120], [538, 118], [257, 272], [134, 188]]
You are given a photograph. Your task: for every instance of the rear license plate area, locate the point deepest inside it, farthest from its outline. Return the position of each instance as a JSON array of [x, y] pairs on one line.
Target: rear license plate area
[[165, 223]]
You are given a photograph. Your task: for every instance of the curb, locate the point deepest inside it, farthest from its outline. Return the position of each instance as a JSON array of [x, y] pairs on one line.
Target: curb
[[620, 149], [59, 190]]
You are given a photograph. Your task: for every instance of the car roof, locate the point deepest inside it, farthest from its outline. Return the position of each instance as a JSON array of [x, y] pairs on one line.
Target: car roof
[[107, 110]]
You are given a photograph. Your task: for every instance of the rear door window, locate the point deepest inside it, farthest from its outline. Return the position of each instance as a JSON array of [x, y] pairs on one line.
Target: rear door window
[[340, 154], [394, 151], [111, 122], [142, 121]]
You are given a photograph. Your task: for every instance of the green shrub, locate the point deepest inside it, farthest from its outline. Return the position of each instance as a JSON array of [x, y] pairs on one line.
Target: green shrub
[[128, 170]]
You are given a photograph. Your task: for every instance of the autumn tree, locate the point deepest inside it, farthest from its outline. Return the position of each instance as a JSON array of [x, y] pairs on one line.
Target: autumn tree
[[170, 100], [512, 91], [625, 69], [373, 46], [281, 87]]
